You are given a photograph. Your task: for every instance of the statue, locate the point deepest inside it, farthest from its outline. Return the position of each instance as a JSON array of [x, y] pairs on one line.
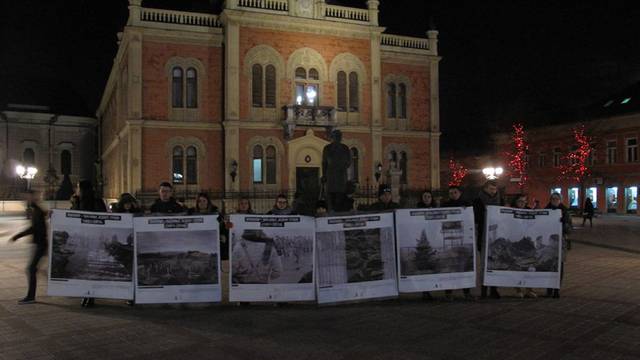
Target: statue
[[336, 160]]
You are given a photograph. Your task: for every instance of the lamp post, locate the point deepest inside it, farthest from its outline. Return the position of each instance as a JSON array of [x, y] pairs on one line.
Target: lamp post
[[28, 173], [492, 173]]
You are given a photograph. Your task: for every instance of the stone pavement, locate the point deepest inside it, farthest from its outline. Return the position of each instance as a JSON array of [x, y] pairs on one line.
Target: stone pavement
[[618, 232], [597, 317]]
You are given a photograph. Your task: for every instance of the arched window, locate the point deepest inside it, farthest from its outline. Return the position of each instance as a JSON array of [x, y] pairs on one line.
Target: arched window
[[402, 100], [176, 87], [354, 102], [403, 167], [178, 165], [256, 85], [342, 91], [271, 165], [307, 89], [270, 86], [192, 165], [353, 169], [391, 100], [258, 155], [65, 162], [192, 88], [29, 156]]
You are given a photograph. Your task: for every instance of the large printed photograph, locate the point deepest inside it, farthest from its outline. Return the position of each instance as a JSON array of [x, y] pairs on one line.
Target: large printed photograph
[[98, 254], [354, 256], [272, 256], [520, 248], [439, 247], [177, 258]]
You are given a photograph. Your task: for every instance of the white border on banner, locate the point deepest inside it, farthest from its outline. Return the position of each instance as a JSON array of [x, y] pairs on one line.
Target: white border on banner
[[436, 282], [173, 294], [368, 290], [88, 288], [272, 292], [527, 279]]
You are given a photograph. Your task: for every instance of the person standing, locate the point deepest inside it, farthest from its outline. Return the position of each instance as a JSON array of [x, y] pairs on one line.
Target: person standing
[[555, 203], [281, 206], [587, 214], [127, 203], [166, 204], [456, 200], [426, 200], [38, 230], [384, 202], [489, 195]]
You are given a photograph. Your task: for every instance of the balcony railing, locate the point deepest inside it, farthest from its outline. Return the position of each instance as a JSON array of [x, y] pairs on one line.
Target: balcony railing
[[404, 42], [272, 5], [179, 17], [346, 13], [303, 115]]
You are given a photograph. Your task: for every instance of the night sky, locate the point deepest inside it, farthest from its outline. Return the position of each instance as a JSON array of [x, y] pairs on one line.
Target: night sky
[[503, 61]]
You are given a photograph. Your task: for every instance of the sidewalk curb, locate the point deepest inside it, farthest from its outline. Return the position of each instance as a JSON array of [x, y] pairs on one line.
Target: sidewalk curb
[[605, 246]]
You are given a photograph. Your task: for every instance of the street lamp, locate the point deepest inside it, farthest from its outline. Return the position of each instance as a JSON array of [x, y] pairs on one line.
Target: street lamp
[[27, 173], [492, 173]]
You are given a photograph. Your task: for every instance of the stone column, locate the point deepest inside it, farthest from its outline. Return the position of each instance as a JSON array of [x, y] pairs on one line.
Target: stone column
[[434, 122], [376, 81], [134, 12], [373, 11], [232, 104], [135, 156]]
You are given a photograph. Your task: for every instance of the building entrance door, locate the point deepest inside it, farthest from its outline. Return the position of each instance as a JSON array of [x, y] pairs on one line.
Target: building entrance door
[[308, 188]]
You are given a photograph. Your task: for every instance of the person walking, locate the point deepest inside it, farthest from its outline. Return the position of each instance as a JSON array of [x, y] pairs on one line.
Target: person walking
[[587, 213], [489, 195], [38, 231], [165, 203], [520, 202], [555, 203]]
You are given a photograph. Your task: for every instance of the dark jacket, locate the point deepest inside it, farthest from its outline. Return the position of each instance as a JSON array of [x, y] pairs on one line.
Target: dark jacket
[[380, 206], [38, 227], [222, 228], [167, 207], [588, 209], [422, 205], [480, 204], [456, 203], [565, 219], [94, 205], [286, 211]]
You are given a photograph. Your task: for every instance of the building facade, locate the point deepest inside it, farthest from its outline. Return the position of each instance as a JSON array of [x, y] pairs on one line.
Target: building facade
[[242, 101], [56, 145]]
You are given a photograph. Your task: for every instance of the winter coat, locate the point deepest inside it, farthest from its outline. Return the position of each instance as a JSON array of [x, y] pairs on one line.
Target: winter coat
[[38, 227], [380, 206], [93, 205], [422, 205], [286, 211], [566, 226], [167, 207], [224, 232]]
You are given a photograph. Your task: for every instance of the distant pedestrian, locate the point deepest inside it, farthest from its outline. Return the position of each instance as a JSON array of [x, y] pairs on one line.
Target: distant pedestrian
[[166, 204], [38, 230], [456, 200], [520, 202], [587, 213], [555, 203], [489, 195]]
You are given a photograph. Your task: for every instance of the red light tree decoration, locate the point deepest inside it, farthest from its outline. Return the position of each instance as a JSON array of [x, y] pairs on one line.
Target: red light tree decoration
[[575, 167], [517, 159], [457, 172]]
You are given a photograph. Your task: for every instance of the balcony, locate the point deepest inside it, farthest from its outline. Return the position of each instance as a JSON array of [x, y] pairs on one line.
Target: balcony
[[309, 116]]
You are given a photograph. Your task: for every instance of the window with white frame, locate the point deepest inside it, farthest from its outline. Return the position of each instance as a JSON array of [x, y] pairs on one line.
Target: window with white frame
[[307, 90], [612, 152], [632, 150]]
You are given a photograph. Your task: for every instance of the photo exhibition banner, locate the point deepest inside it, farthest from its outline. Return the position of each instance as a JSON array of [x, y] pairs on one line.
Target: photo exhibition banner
[[436, 249], [523, 247], [91, 255], [272, 258], [177, 259], [356, 258]]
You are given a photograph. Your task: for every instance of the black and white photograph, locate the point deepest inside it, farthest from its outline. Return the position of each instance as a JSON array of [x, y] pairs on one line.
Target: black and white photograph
[[177, 259], [356, 258], [436, 249], [272, 258], [523, 247], [91, 254]]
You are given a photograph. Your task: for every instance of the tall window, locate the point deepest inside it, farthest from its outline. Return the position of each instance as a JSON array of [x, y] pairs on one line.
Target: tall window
[[178, 165], [397, 100], [541, 159], [29, 156], [352, 172], [612, 151], [263, 86], [632, 150], [180, 82], [65, 162], [348, 92], [176, 87], [264, 167], [556, 156], [307, 86], [404, 167], [192, 88], [192, 165]]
